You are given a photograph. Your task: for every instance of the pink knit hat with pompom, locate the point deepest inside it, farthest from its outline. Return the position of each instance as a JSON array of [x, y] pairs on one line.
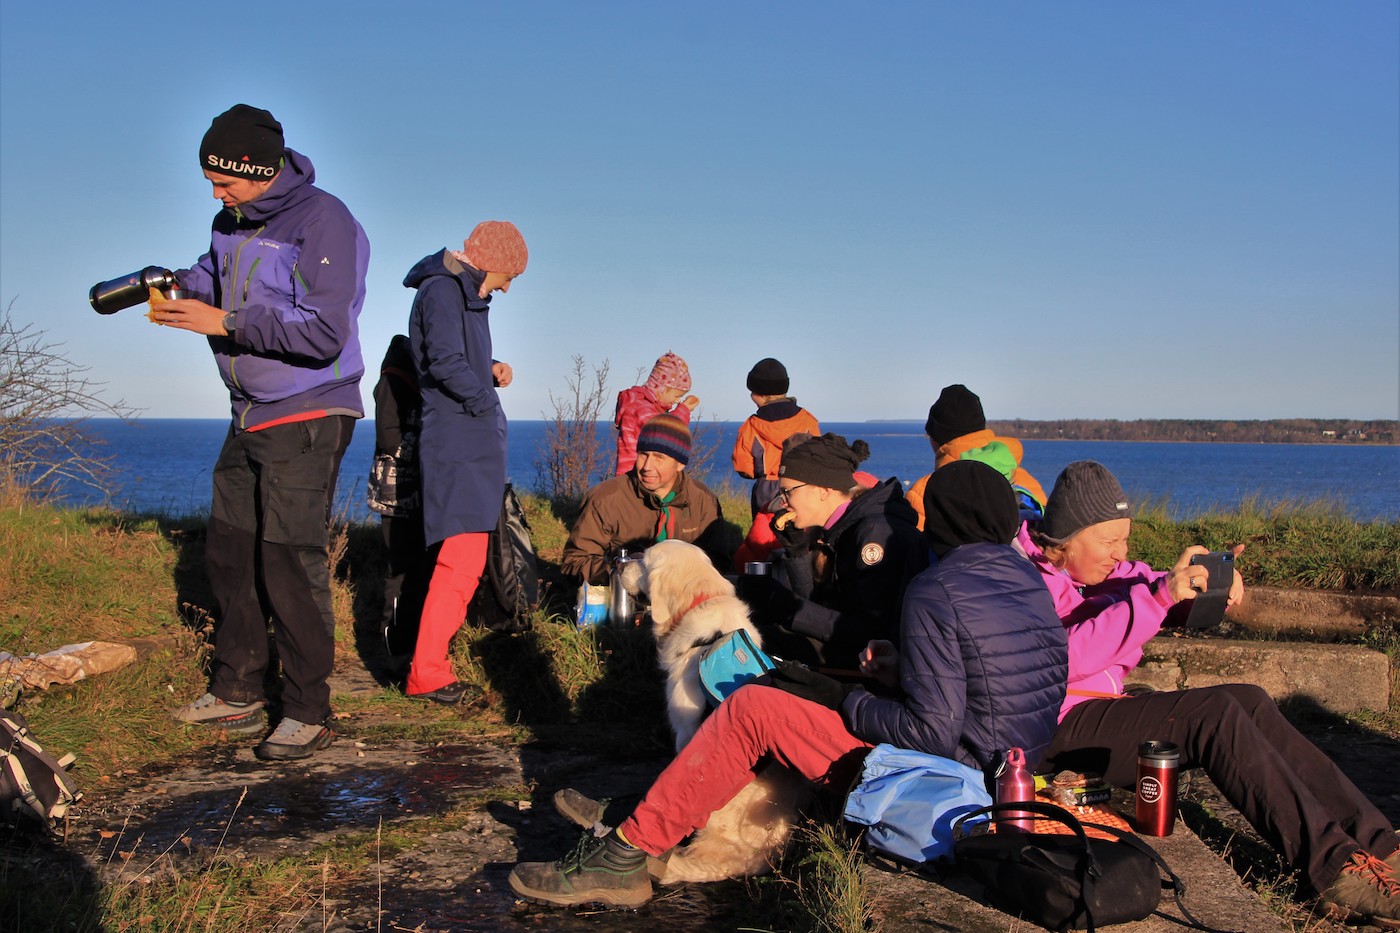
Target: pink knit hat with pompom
[[670, 372]]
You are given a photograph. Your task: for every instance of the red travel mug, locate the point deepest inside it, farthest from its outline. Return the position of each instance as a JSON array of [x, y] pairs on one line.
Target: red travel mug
[[1156, 787]]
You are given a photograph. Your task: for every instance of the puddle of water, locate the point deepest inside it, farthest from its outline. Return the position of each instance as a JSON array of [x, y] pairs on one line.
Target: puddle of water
[[282, 806], [456, 882]]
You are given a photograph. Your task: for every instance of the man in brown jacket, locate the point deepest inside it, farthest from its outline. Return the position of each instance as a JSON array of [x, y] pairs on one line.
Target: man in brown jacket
[[654, 501]]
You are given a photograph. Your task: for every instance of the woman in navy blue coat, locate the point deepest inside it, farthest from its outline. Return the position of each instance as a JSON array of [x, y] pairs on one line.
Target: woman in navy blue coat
[[462, 448]]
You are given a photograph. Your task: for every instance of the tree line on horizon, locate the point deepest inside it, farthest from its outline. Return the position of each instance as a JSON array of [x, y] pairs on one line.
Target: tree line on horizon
[[1269, 431]]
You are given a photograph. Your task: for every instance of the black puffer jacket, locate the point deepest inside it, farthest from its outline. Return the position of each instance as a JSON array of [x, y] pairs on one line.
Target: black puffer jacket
[[877, 549], [983, 662]]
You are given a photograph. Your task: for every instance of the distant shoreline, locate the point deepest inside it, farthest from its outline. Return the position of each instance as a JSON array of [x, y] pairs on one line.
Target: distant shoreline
[[1318, 431], [1321, 432]]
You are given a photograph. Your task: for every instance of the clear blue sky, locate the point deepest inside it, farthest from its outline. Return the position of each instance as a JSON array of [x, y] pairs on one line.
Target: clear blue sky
[[1099, 209]]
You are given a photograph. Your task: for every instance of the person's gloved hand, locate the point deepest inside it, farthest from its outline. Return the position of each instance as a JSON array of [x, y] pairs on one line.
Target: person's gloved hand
[[792, 677], [795, 540]]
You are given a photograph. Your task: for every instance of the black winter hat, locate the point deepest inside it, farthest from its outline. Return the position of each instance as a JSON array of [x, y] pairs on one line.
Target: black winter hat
[[1085, 494], [824, 461], [957, 412], [967, 502], [244, 142], [768, 377]]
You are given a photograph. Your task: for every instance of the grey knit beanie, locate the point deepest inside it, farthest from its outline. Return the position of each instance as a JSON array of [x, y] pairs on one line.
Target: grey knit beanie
[[1085, 494]]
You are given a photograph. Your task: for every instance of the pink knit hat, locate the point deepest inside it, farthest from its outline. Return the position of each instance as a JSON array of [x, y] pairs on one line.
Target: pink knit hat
[[497, 246], [670, 372]]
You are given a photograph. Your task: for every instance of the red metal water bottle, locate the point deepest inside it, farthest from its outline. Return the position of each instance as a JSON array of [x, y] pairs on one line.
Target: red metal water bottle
[[1156, 788], [1015, 785]]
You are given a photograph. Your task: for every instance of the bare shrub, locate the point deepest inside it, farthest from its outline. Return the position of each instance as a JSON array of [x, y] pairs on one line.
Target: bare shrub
[[705, 453], [44, 401], [572, 457]]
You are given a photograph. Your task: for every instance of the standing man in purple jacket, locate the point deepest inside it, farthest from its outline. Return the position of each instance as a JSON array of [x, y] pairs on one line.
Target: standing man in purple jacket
[[279, 295]]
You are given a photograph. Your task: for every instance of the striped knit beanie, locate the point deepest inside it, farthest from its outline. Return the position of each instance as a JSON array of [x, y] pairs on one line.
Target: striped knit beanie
[[665, 434], [670, 372]]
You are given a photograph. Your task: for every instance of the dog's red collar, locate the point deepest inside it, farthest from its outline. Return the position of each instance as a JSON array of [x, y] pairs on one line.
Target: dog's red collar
[[697, 601]]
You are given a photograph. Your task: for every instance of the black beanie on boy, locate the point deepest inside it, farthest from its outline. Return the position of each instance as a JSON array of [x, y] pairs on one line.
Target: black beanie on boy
[[768, 377], [957, 412]]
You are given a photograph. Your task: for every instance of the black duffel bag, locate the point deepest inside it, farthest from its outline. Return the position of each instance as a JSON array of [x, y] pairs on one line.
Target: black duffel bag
[[1062, 882]]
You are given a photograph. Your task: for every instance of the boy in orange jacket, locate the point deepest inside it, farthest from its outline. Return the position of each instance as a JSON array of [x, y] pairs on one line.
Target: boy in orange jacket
[[759, 449]]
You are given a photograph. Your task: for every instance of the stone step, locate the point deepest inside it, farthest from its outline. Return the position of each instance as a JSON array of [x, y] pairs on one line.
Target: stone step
[[1339, 678], [1322, 615]]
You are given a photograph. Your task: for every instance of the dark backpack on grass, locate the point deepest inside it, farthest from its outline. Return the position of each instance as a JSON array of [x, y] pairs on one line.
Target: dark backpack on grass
[[35, 788], [511, 570]]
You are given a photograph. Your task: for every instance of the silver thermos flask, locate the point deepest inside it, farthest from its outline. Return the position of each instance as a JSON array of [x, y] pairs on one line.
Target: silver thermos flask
[[622, 608]]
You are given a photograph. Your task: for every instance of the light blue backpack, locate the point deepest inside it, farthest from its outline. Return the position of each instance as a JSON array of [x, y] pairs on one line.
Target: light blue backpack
[[908, 801]]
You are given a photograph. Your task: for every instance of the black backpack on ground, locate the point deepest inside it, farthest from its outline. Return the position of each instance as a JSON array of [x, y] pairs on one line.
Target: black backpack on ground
[[35, 788], [514, 577]]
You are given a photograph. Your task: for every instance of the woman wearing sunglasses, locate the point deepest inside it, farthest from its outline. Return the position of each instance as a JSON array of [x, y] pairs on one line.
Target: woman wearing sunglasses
[[849, 550]]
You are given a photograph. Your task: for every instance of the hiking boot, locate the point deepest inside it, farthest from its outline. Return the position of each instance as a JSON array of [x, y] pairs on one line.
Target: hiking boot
[[450, 695], [234, 718], [578, 809], [1365, 892], [598, 871], [292, 740]]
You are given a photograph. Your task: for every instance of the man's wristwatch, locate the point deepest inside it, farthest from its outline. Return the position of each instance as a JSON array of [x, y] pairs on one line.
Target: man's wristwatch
[[230, 322]]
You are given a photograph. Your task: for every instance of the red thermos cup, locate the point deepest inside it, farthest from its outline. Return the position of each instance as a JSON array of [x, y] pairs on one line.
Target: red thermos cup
[[1014, 784], [1156, 787]]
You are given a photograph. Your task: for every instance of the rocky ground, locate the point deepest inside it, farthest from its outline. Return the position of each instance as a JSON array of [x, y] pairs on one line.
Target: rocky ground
[[445, 823]]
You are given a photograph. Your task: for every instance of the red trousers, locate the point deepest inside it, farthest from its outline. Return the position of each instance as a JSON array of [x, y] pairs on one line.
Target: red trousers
[[459, 565], [754, 723]]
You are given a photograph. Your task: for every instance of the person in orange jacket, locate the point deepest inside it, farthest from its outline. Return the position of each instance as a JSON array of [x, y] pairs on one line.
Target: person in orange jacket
[[957, 430], [759, 448]]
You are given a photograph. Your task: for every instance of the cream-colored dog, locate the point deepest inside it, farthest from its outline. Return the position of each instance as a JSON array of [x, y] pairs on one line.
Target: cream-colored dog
[[691, 604]]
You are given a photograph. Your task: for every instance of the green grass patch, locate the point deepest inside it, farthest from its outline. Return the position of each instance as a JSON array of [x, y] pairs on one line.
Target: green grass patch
[[1303, 545]]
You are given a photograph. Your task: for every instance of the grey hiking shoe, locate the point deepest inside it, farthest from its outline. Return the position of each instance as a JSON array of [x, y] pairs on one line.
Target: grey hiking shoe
[[1365, 891], [580, 810], [598, 871], [234, 718], [292, 740]]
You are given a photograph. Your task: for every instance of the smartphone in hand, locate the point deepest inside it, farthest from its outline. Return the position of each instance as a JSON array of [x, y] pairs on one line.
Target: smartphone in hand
[[1208, 608]]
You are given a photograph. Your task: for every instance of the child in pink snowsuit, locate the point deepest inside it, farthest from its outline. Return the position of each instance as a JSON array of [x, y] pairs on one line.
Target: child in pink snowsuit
[[660, 394]]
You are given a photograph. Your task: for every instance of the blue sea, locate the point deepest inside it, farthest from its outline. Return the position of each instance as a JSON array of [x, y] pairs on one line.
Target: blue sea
[[163, 465]]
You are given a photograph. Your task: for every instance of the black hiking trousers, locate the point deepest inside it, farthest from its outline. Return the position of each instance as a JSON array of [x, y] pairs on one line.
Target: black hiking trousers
[[1287, 788], [267, 559]]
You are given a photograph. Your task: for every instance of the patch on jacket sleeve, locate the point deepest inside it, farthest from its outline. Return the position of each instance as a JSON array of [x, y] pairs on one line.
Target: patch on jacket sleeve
[[872, 554]]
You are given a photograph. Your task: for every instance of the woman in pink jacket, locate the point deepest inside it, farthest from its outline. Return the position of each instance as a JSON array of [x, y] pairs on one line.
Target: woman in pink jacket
[[1291, 792]]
